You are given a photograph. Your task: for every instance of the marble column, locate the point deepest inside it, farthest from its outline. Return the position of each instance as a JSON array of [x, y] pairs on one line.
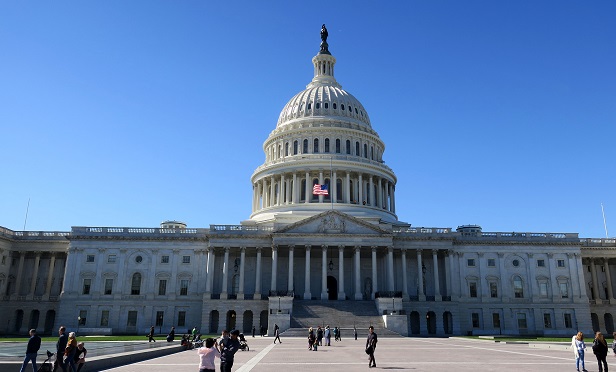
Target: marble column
[[320, 183], [374, 274], [272, 199], [240, 295], [274, 286], [282, 191], [307, 188], [371, 192], [37, 261], [608, 279], [257, 295], [20, 270], [360, 187], [358, 295], [324, 295], [52, 266], [307, 293], [595, 281], [290, 281], [390, 269], [334, 188], [405, 286], [420, 283], [379, 195], [225, 275], [347, 189], [341, 294], [294, 197]]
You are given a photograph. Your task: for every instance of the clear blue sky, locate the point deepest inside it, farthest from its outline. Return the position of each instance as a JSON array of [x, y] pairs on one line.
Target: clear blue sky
[[127, 113]]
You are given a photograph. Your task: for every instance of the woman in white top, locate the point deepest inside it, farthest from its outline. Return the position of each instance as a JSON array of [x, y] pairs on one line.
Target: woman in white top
[[578, 346], [207, 354]]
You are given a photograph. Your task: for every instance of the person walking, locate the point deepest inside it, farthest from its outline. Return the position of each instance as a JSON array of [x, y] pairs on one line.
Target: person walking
[[150, 335], [207, 354], [355, 332], [194, 333], [328, 336], [70, 351], [277, 333], [171, 335], [228, 348], [578, 346], [371, 346], [80, 356], [335, 333], [599, 348], [34, 344], [253, 331], [319, 336], [60, 347], [311, 338]]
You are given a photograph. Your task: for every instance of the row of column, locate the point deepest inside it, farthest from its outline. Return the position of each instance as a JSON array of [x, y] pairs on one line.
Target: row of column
[[596, 294], [20, 272], [277, 191]]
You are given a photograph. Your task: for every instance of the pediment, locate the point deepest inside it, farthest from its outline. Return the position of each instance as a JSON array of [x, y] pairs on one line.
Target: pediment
[[332, 222]]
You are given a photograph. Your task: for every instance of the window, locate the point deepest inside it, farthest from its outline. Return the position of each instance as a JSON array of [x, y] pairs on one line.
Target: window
[[327, 145], [315, 147], [294, 147], [286, 149], [162, 287], [135, 287], [164, 259], [90, 258], [108, 286], [87, 283], [357, 148], [186, 259], [337, 146], [305, 149], [493, 290], [543, 289], [309, 106], [568, 322], [334, 105], [472, 289], [515, 263], [564, 290], [470, 262], [491, 262], [518, 289], [105, 318], [547, 320], [496, 320], [522, 321], [540, 263], [342, 106], [138, 259], [181, 318], [560, 263], [183, 287], [348, 147], [83, 314], [111, 258], [160, 315], [318, 105], [132, 319], [475, 320], [365, 151], [326, 105]]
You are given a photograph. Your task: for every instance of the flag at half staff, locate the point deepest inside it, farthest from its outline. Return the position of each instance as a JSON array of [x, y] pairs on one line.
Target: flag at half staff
[[319, 190]]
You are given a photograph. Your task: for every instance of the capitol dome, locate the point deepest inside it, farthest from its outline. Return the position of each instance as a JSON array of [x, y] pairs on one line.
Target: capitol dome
[[323, 138]]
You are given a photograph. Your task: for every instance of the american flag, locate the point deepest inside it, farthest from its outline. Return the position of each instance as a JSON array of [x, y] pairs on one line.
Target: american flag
[[319, 190]]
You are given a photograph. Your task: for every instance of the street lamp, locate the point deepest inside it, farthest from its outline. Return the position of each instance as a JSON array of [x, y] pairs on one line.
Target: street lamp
[[78, 323]]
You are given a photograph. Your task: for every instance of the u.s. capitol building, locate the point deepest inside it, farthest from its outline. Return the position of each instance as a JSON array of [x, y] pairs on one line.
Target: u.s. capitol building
[[344, 254]]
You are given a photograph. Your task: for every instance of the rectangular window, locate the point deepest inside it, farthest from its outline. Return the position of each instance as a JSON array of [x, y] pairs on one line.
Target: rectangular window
[[522, 321], [160, 315], [87, 283], [470, 262], [496, 320], [90, 258], [568, 322], [472, 289], [83, 314], [162, 287], [493, 290], [111, 258], [183, 287], [560, 263], [564, 290], [491, 262], [181, 318], [518, 289], [108, 286], [547, 320], [105, 318], [543, 289], [475, 319], [164, 259], [131, 321], [540, 263], [186, 259]]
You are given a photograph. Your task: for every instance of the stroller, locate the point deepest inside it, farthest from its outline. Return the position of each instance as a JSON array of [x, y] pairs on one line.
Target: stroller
[[46, 366], [243, 343]]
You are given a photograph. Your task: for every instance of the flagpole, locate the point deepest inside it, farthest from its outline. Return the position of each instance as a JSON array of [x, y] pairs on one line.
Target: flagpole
[[331, 175], [604, 224]]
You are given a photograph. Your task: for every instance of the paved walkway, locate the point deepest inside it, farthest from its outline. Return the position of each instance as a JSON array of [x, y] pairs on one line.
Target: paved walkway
[[414, 354]]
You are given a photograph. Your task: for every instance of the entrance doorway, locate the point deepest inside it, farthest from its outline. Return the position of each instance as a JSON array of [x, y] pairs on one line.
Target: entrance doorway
[[332, 288]]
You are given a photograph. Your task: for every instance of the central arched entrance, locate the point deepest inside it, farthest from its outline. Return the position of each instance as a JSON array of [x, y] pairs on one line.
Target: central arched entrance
[[332, 288]]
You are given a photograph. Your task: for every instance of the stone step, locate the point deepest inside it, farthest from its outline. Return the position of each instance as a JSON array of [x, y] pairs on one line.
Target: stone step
[[346, 333]]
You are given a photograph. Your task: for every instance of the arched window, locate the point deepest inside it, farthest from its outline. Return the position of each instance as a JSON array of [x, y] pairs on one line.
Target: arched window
[[334, 105], [309, 106], [337, 146], [518, 287], [371, 152], [327, 145], [357, 149], [348, 147], [342, 106], [305, 149], [326, 105], [135, 286], [318, 105], [365, 151], [279, 152], [315, 147], [294, 147], [286, 149]]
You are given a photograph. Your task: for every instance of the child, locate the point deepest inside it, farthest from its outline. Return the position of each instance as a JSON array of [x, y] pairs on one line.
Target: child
[[207, 354]]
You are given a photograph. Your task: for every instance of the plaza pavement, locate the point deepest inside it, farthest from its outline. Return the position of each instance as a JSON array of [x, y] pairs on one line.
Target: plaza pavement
[[412, 354]]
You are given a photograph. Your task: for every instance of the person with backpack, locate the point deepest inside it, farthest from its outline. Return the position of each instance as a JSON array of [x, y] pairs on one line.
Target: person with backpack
[[599, 348]]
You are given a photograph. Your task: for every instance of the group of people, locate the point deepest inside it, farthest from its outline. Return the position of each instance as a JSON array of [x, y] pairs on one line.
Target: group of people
[[224, 349], [599, 348], [69, 352]]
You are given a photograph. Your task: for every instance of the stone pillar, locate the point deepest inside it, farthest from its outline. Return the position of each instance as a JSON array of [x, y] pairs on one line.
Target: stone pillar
[[333, 181], [387, 195], [282, 192], [405, 286], [358, 295], [595, 281], [437, 281], [52, 266], [210, 271], [274, 286], [308, 186], [259, 202], [608, 279], [580, 276], [420, 283], [324, 295], [360, 187], [390, 269], [272, 199], [374, 273], [20, 270], [265, 194], [290, 281], [257, 295], [451, 290], [371, 192], [37, 260], [341, 294], [393, 204], [347, 189], [307, 293], [294, 188], [379, 195], [240, 295], [320, 183], [225, 275]]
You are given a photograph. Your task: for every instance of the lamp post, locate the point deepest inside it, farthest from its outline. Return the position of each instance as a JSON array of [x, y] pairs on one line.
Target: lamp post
[[78, 323], [160, 324], [279, 310], [393, 304]]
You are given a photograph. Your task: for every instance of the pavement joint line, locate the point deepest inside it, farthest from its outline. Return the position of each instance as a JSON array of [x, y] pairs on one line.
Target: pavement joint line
[[504, 351], [255, 360]]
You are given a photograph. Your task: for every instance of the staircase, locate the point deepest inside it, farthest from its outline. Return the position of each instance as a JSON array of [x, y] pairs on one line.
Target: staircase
[[342, 314]]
